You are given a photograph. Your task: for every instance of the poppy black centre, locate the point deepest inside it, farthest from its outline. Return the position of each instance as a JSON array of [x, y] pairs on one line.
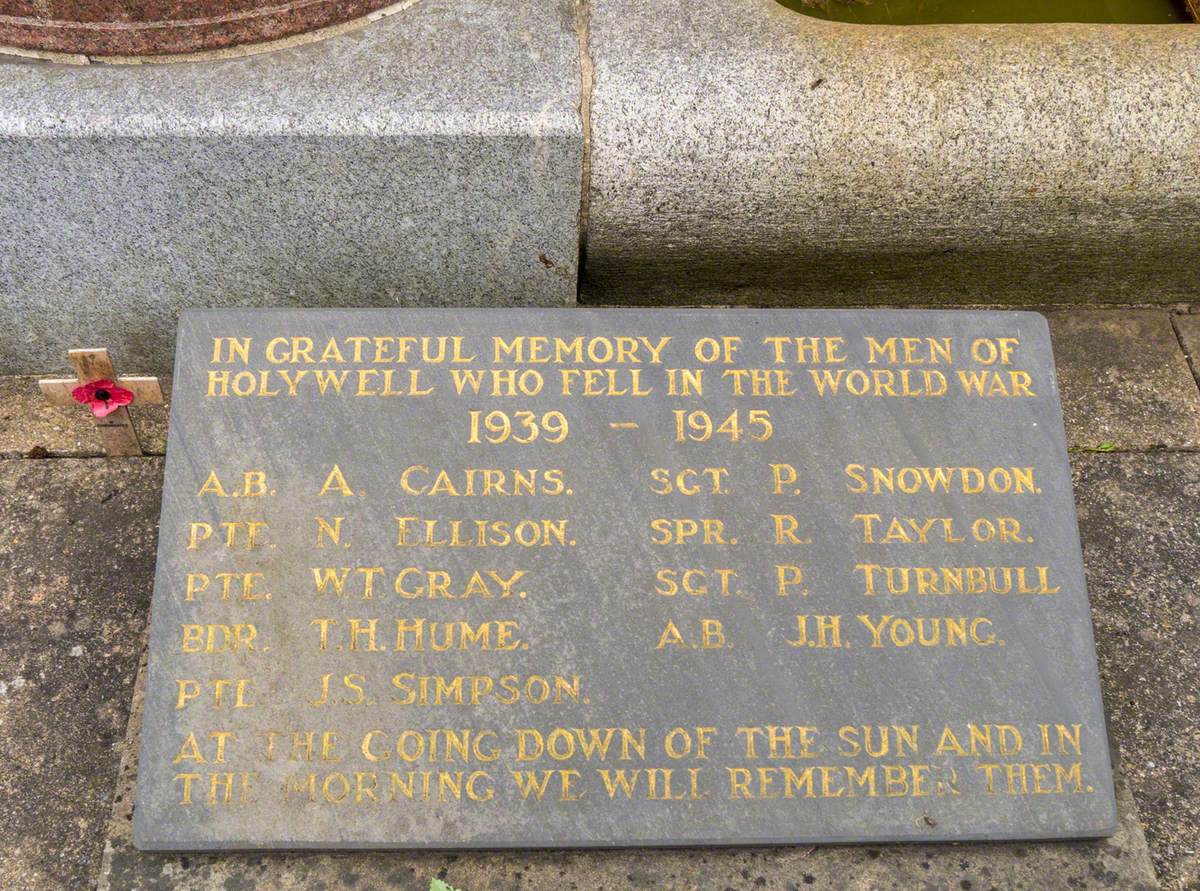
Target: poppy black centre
[[103, 395]]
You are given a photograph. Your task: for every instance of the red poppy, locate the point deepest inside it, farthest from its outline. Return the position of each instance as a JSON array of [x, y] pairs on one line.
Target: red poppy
[[102, 397]]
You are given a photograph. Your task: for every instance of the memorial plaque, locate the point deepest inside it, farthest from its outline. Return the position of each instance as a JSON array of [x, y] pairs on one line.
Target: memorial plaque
[[523, 578]]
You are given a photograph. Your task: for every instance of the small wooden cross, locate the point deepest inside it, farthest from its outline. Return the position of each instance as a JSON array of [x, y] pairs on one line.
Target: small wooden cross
[[116, 430]]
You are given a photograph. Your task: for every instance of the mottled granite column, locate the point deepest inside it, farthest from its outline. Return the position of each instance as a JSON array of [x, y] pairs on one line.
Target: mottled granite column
[[739, 148]]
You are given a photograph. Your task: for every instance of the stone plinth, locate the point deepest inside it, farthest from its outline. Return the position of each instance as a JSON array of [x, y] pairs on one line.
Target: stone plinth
[[432, 158]]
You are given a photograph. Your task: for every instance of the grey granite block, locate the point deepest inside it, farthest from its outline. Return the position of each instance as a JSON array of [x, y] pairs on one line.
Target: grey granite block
[[431, 158], [743, 152]]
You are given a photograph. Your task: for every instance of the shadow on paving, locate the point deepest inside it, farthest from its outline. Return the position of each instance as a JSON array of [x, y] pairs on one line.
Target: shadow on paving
[[1139, 518], [76, 566]]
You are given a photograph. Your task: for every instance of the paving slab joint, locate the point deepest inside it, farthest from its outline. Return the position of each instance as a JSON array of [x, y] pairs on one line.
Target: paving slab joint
[[1193, 360]]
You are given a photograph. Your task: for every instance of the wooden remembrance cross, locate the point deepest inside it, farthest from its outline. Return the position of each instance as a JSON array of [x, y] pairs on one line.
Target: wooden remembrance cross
[[116, 429]]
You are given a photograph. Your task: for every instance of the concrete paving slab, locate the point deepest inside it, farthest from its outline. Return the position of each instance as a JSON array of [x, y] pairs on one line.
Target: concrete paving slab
[[1140, 524], [31, 427], [431, 158], [1124, 380], [76, 561]]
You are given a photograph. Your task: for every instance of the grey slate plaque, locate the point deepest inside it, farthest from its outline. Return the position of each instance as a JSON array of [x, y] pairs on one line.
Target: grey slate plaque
[[666, 577]]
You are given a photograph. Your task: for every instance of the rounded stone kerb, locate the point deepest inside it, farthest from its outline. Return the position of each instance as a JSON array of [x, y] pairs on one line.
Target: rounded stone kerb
[[741, 145]]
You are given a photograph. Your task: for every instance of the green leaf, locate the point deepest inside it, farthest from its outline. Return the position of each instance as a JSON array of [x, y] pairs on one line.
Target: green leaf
[[439, 885]]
